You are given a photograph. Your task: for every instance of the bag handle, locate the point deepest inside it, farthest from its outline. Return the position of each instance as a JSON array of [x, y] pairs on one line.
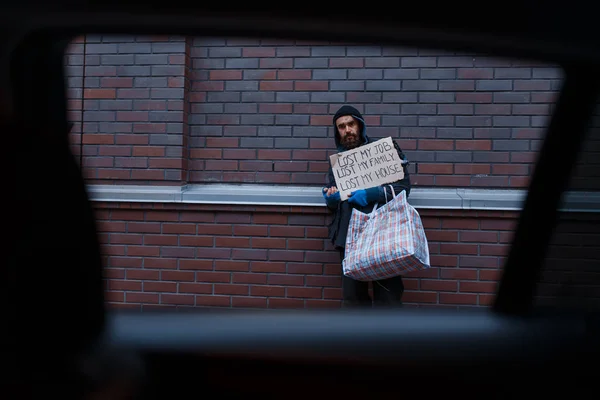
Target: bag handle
[[386, 199], [385, 193]]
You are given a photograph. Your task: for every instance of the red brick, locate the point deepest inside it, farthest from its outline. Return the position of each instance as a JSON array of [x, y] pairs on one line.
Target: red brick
[[461, 249], [458, 298], [231, 242], [205, 276], [185, 276], [161, 263], [99, 94], [116, 238], [225, 74], [274, 154], [258, 52], [478, 287], [472, 169], [162, 287], [458, 273], [143, 251], [453, 181], [269, 243], [474, 145], [294, 74], [439, 285], [141, 297], [277, 85], [442, 235], [479, 237], [98, 139], [114, 273], [493, 250], [435, 144], [251, 230], [178, 299], [154, 215], [452, 223], [304, 268], [502, 225], [205, 265], [116, 82], [304, 292], [250, 278], [276, 279], [148, 151], [231, 289], [267, 291], [213, 301], [320, 120], [195, 288], [420, 297], [426, 273], [111, 296], [305, 244], [267, 266], [227, 265], [143, 274], [274, 108], [287, 231], [486, 299], [475, 73], [510, 169], [285, 303], [217, 86], [125, 285], [437, 168]]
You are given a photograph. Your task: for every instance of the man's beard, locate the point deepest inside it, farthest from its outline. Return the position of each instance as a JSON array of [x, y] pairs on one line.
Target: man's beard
[[351, 141]]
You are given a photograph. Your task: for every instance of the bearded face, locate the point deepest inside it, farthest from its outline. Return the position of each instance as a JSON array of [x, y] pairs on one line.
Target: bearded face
[[349, 129]]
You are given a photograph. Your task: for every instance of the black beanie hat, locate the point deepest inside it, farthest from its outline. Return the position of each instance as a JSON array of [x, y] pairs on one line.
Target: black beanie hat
[[346, 110]]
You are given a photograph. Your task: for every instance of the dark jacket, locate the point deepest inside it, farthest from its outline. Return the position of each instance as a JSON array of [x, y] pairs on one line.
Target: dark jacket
[[342, 211]]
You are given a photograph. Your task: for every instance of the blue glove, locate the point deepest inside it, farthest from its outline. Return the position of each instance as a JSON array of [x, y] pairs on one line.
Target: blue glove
[[363, 197], [331, 200]]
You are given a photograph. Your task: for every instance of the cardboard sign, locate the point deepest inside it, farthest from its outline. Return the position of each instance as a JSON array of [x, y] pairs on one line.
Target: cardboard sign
[[366, 166]]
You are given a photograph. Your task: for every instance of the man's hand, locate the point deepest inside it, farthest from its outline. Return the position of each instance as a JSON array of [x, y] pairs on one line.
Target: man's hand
[[359, 197], [329, 191], [331, 196], [363, 197]]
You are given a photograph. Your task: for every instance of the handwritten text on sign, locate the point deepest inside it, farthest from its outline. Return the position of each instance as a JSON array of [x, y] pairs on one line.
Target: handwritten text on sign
[[366, 166]]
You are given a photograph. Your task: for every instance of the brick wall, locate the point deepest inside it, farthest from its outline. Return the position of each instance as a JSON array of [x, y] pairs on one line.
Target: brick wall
[[278, 257], [132, 109], [173, 110], [259, 111]]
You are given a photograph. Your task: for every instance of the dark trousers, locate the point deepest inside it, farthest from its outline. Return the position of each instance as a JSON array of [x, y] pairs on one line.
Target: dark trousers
[[386, 292]]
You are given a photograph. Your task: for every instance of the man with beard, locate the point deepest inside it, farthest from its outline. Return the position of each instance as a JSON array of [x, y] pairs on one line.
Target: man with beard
[[351, 132]]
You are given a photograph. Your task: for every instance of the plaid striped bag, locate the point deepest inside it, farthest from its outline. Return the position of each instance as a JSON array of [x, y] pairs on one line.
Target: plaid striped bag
[[388, 242]]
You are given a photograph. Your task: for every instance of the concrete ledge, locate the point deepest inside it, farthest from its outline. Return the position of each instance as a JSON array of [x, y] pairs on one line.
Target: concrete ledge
[[269, 195], [489, 199], [136, 194]]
